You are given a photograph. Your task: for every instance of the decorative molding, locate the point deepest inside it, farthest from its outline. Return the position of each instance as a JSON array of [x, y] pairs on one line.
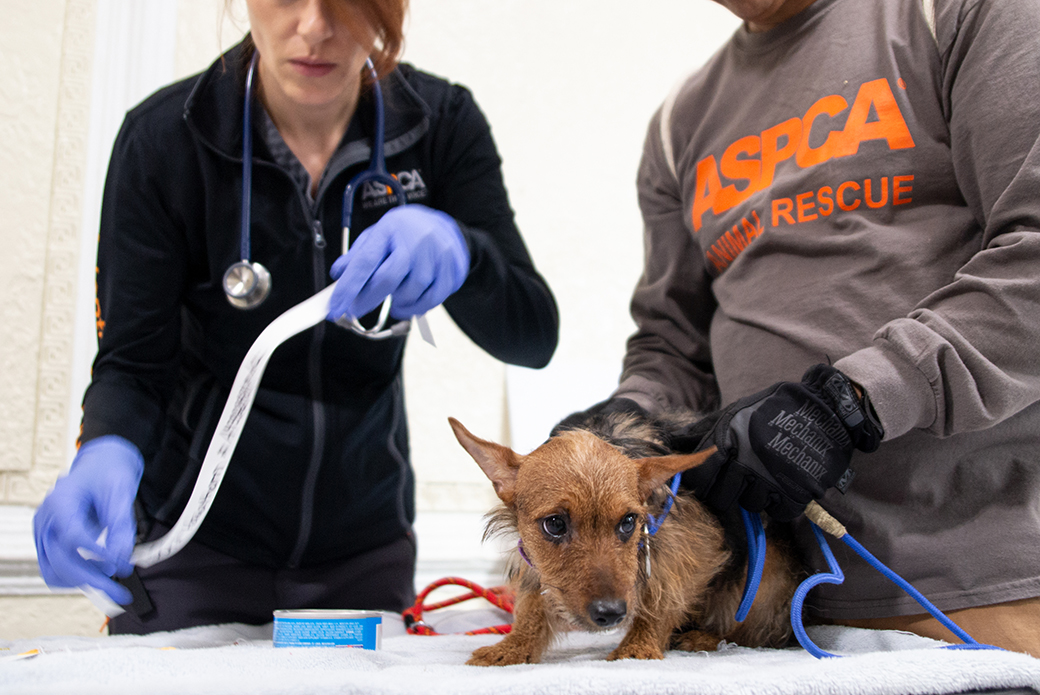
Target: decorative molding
[[53, 364], [98, 82], [29, 94]]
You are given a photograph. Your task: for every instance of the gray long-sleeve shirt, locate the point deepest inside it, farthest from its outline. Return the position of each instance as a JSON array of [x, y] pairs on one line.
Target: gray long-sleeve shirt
[[861, 185]]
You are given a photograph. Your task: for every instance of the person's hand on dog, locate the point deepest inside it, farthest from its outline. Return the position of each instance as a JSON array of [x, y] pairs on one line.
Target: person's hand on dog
[[414, 254], [97, 495], [783, 447]]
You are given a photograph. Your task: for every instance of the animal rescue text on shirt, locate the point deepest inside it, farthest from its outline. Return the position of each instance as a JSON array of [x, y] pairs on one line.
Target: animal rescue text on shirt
[[754, 158]]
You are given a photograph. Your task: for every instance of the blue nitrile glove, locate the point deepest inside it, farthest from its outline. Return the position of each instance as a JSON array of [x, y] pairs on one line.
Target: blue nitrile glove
[[783, 447], [414, 254], [97, 493]]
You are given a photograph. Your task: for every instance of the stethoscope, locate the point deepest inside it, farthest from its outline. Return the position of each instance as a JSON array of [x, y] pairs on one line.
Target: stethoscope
[[247, 283]]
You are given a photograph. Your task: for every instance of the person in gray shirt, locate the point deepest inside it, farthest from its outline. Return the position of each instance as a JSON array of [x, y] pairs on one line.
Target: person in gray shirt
[[842, 244]]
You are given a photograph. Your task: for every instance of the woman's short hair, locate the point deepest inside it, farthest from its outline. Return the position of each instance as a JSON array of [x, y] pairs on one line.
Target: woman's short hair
[[387, 18]]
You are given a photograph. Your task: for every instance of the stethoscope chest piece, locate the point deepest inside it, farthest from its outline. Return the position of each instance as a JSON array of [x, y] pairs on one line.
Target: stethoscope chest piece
[[247, 284]]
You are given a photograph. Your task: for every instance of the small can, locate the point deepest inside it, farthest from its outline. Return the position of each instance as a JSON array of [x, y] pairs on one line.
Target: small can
[[315, 627]]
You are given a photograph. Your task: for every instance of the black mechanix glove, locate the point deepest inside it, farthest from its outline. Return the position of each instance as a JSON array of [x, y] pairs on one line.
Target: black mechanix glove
[[785, 446]]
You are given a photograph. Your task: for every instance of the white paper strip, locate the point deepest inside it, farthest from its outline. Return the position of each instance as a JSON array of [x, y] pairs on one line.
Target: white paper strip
[[301, 317]]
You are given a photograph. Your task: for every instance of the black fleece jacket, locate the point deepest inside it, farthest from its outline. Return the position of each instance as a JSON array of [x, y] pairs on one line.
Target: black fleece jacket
[[321, 471]]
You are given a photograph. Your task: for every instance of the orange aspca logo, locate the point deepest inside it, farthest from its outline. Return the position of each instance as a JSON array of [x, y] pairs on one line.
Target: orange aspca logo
[[753, 159]]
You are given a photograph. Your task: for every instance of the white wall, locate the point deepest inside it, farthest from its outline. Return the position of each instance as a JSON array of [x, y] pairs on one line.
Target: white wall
[[568, 86]]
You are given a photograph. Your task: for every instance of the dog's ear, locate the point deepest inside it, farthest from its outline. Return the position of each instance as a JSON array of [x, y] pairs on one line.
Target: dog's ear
[[656, 470], [499, 463]]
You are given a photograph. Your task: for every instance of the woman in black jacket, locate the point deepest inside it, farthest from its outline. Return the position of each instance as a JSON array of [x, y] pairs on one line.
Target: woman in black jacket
[[317, 503]]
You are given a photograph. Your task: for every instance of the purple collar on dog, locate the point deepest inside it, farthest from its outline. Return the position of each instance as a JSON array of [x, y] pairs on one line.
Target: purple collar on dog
[[520, 547]]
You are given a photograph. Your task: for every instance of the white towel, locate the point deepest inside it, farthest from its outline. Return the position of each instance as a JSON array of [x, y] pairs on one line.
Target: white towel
[[241, 659]]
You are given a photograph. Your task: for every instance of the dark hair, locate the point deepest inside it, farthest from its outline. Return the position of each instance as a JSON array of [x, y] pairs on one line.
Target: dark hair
[[385, 16]]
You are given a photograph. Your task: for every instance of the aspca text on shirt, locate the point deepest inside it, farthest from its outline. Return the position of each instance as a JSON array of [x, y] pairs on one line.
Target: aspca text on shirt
[[749, 165], [375, 194]]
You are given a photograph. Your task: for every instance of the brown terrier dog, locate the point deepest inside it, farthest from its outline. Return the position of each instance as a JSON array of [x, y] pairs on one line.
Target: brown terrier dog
[[580, 506]]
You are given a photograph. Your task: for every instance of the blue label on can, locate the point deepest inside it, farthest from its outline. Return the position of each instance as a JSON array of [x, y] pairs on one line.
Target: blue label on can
[[360, 633]]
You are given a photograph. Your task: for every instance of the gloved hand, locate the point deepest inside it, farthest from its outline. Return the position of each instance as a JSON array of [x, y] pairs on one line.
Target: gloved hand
[[414, 254], [98, 493], [785, 446]]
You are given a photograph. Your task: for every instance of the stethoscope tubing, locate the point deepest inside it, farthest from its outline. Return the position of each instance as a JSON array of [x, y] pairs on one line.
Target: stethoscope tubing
[[377, 173], [247, 161], [246, 283]]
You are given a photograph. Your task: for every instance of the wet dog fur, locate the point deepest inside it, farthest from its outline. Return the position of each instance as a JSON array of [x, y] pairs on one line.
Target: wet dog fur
[[579, 504]]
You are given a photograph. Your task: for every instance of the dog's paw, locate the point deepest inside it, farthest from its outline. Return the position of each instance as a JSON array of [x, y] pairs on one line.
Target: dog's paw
[[696, 641], [636, 651], [501, 655]]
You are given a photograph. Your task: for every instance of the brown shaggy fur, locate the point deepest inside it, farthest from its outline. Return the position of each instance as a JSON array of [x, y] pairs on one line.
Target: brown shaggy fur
[[590, 482]]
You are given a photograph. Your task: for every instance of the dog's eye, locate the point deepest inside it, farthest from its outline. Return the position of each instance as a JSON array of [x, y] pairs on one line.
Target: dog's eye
[[626, 526], [554, 526]]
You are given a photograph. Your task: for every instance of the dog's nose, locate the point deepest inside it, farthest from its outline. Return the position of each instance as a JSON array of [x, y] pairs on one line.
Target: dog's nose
[[607, 612]]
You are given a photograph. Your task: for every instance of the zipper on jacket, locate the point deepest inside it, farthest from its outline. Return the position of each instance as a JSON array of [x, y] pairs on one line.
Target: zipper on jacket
[[317, 408], [315, 376], [319, 236]]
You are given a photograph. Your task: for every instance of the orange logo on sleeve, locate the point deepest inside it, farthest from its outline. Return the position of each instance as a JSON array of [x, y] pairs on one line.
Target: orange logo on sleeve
[[99, 322], [751, 161]]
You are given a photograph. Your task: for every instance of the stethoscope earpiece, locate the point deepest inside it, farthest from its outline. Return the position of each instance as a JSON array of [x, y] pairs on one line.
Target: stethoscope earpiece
[[247, 284]]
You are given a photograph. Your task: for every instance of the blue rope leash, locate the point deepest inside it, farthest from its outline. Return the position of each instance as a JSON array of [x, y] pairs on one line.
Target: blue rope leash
[[756, 540], [656, 521], [835, 576]]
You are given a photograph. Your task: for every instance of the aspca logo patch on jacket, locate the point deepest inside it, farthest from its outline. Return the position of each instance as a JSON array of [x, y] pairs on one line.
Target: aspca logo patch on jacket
[[375, 195], [749, 165]]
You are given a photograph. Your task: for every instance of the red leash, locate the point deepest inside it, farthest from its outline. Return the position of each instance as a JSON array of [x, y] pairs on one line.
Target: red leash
[[499, 596]]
